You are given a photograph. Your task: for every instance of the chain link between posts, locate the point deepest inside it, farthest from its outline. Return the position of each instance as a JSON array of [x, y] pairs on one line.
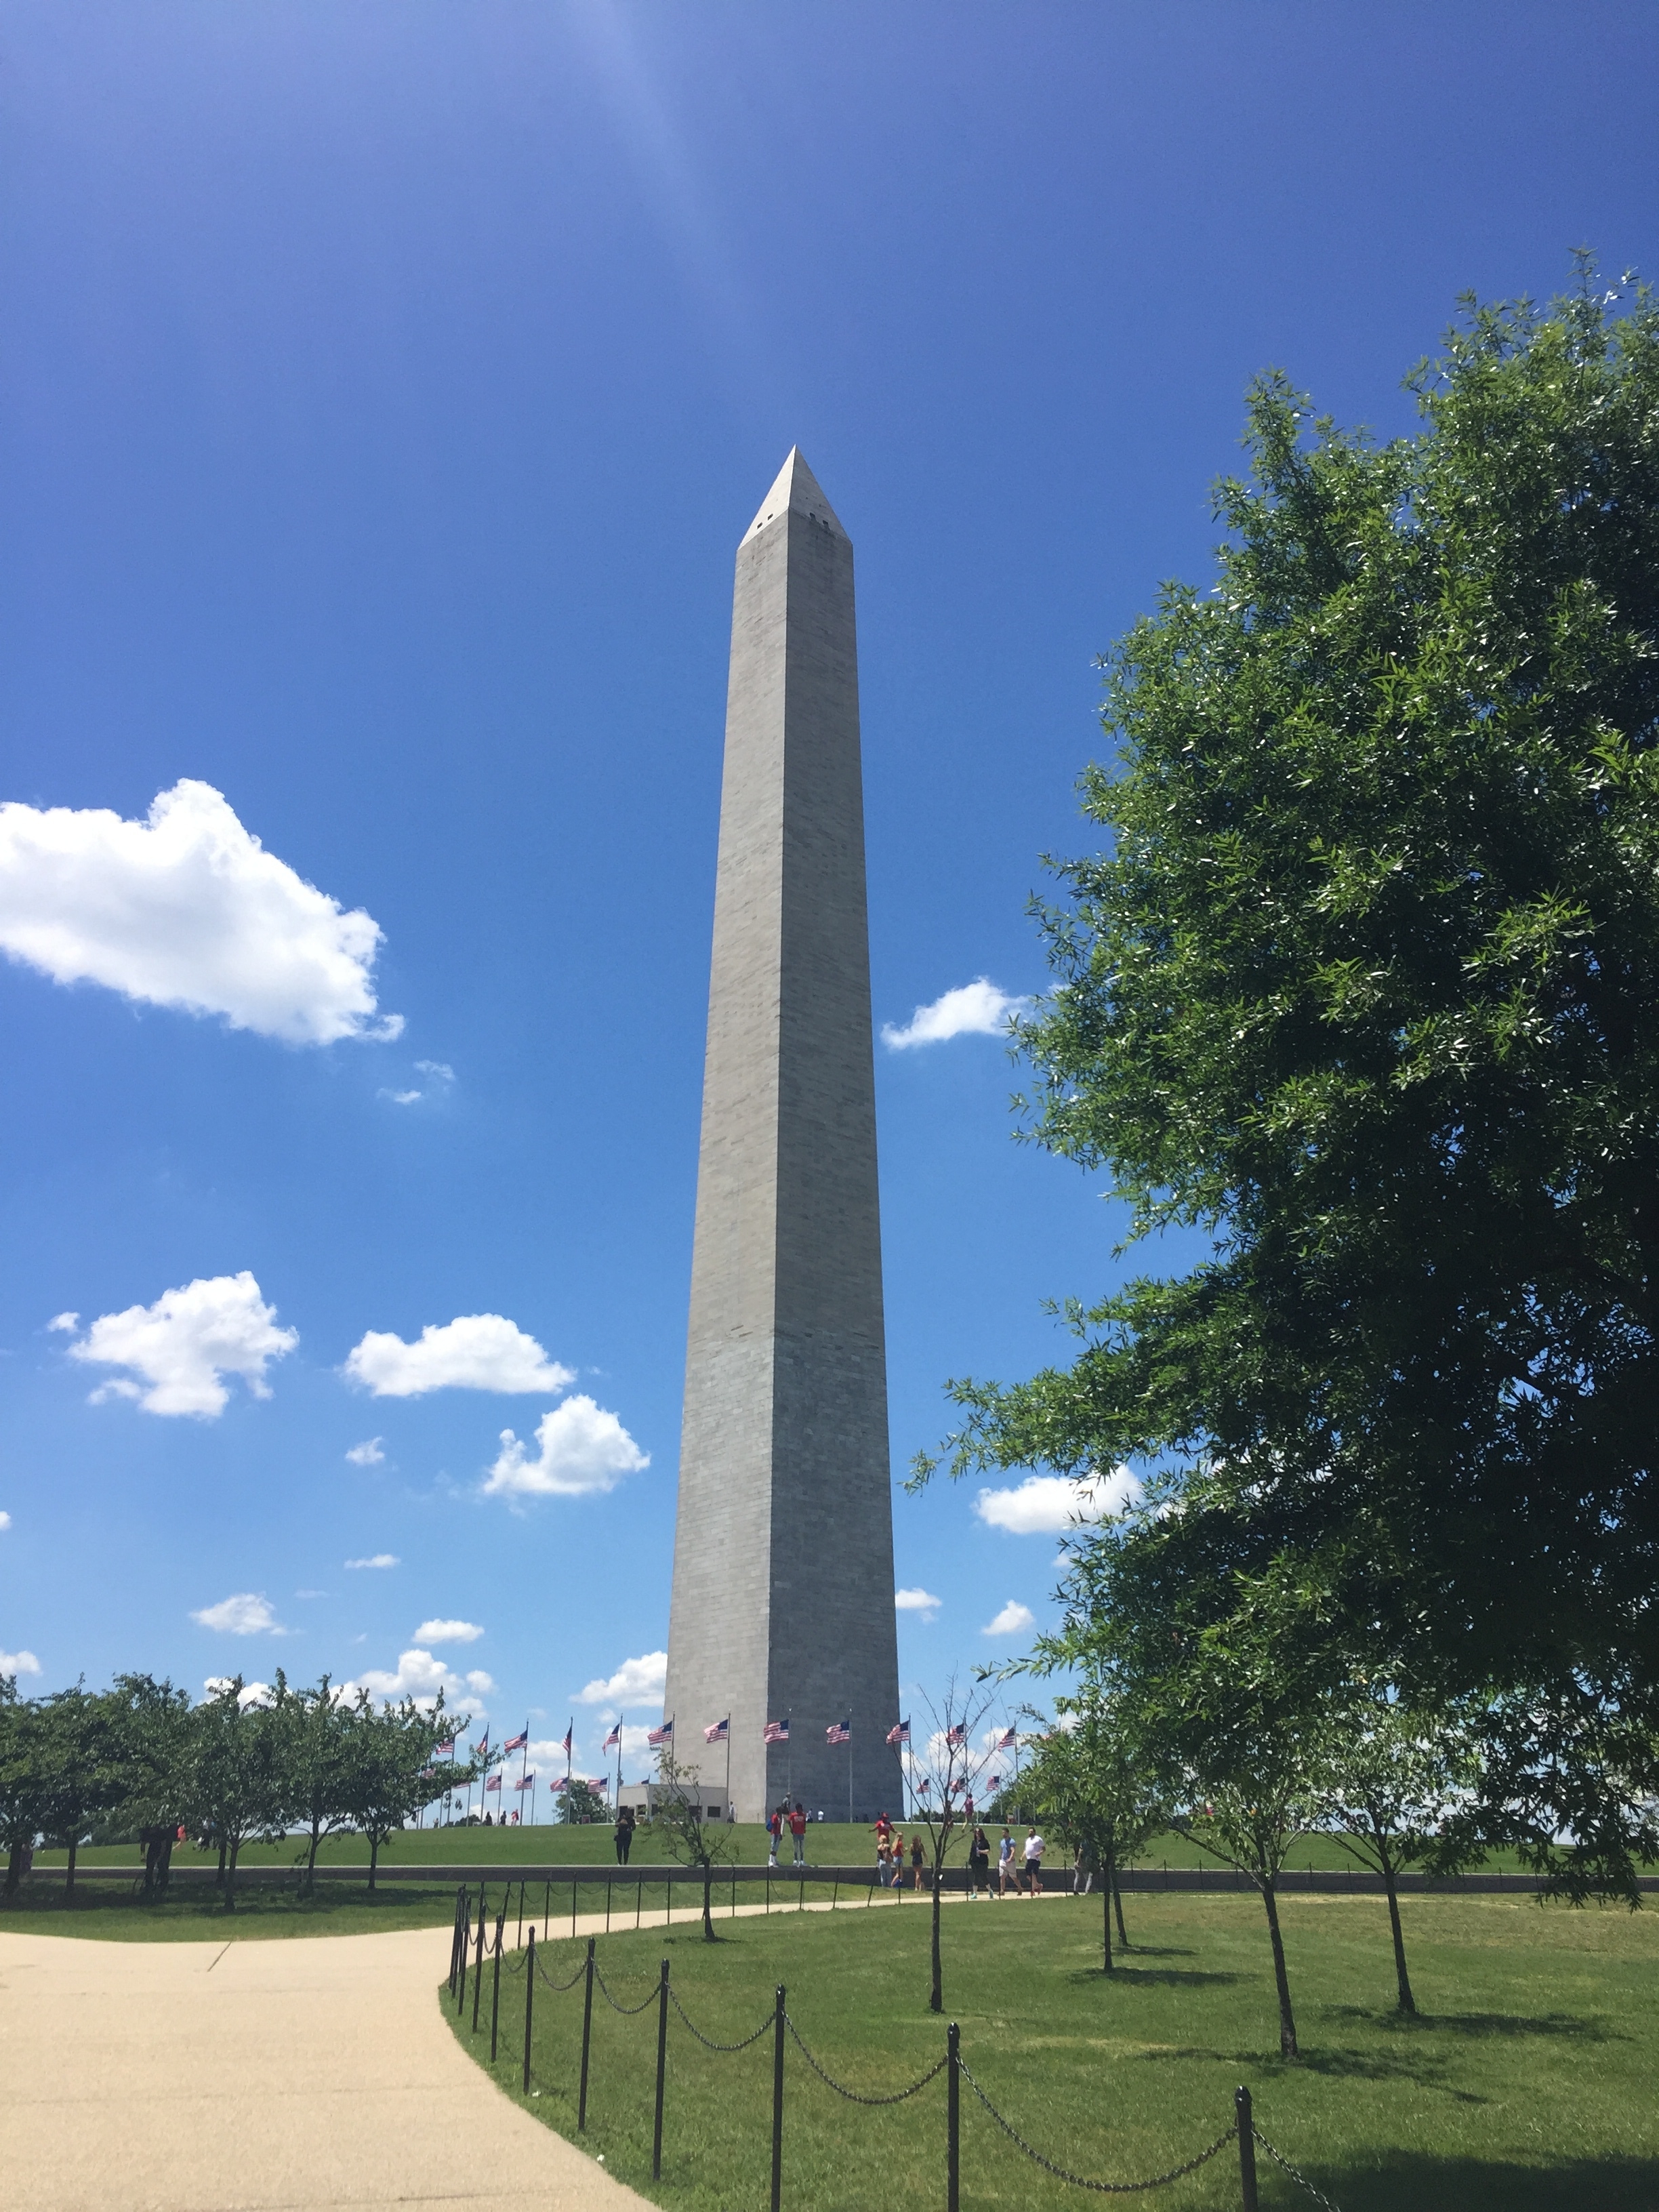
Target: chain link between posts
[[627, 2011], [1300, 2179], [707, 2041], [1082, 2181], [852, 2096]]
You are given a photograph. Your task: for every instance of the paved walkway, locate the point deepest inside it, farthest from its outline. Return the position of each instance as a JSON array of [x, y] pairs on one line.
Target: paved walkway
[[274, 2075]]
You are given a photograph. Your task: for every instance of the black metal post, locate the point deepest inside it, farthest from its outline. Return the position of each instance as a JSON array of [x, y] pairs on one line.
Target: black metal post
[[1246, 2149], [495, 1991], [607, 1905], [518, 1939], [588, 2032], [573, 1905], [547, 1904], [639, 1896], [478, 1963], [777, 2105], [529, 2002], [455, 1943], [952, 2120], [467, 1945], [662, 2070]]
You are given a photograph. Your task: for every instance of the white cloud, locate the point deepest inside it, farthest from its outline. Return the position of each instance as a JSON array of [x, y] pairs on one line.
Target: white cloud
[[1044, 1503], [419, 1676], [438, 1068], [917, 1601], [399, 1097], [5, 1521], [217, 1325], [186, 909], [377, 1559], [245, 1614], [68, 1322], [448, 1632], [368, 1454], [19, 1662], [250, 1694], [580, 1448], [976, 1009], [639, 1681], [1014, 1620], [475, 1352]]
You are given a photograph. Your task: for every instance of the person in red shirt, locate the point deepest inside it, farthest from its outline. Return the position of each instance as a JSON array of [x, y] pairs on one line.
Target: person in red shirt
[[775, 1830], [797, 1830]]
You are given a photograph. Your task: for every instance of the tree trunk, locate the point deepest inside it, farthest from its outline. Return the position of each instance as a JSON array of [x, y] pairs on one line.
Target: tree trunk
[[373, 1857], [936, 1995], [68, 1882], [708, 1935], [230, 1874], [1117, 1907], [1108, 1884], [311, 1863], [1385, 1860], [1282, 1980], [222, 1861], [14, 1869]]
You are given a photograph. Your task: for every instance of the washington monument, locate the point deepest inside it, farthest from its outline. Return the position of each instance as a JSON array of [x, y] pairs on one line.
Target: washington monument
[[783, 1551]]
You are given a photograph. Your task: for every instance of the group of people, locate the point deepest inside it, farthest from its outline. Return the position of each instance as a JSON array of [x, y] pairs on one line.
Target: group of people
[[891, 1859], [792, 1817]]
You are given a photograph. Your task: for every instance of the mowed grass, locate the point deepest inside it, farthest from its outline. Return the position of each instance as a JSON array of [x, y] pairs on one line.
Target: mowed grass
[[195, 1912], [1527, 2085]]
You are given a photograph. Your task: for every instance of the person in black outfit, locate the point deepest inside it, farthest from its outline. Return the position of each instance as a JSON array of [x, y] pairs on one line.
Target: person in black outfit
[[625, 1834]]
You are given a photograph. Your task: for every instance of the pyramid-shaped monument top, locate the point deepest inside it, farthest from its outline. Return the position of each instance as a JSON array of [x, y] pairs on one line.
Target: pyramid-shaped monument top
[[796, 492]]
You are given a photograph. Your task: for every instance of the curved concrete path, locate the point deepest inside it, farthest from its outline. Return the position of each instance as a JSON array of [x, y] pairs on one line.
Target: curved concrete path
[[275, 2075]]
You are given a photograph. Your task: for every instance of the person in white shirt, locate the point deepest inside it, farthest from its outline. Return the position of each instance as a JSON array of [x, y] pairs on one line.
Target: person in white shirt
[[1005, 1872], [1034, 1851]]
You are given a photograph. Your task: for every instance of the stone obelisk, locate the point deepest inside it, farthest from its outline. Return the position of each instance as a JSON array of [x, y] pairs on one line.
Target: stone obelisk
[[783, 1551]]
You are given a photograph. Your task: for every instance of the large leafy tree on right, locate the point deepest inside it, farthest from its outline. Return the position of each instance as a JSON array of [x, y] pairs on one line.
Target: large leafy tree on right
[[1366, 987]]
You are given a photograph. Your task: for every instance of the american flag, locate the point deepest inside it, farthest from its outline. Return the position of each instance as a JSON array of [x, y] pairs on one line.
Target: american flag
[[775, 1732], [599, 1782], [558, 1782], [658, 1736], [1008, 1741], [481, 1747], [899, 1734], [518, 1743], [526, 1782], [494, 1783], [718, 1731], [993, 1782], [569, 1735], [958, 1734], [839, 1732], [449, 1747], [613, 1742]]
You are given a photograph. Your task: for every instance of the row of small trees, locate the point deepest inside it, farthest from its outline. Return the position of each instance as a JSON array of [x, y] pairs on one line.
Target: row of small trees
[[229, 1770]]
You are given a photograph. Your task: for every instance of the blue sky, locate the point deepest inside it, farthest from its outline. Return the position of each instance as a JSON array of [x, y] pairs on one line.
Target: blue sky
[[385, 389]]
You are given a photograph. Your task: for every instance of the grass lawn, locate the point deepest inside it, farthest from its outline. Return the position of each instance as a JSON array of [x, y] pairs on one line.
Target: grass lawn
[[1527, 2085], [111, 1912]]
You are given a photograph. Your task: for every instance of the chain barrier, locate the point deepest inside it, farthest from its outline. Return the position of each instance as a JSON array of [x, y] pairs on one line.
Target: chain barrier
[[627, 2011], [707, 2041], [1300, 2179], [852, 2096], [1082, 2181], [559, 1987]]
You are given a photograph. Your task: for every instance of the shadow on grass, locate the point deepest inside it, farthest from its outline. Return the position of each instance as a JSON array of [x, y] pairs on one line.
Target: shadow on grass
[[1475, 2184], [1561, 2025]]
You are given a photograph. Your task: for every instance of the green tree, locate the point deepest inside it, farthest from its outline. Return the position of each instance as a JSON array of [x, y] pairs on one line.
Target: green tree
[[944, 1771], [82, 1746], [237, 1783], [1398, 1777], [314, 1731], [25, 1776], [1093, 1781], [581, 1800], [678, 1819], [391, 1770], [1361, 990]]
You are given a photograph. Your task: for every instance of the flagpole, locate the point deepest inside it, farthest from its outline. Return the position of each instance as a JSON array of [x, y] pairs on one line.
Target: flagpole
[[728, 1770], [849, 1776], [569, 1738]]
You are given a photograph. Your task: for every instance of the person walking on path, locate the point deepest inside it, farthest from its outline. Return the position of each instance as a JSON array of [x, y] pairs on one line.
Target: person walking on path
[[917, 1856], [1034, 1851], [1005, 1863], [797, 1830], [774, 1833], [898, 1858], [1083, 1869], [979, 1864], [625, 1834]]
